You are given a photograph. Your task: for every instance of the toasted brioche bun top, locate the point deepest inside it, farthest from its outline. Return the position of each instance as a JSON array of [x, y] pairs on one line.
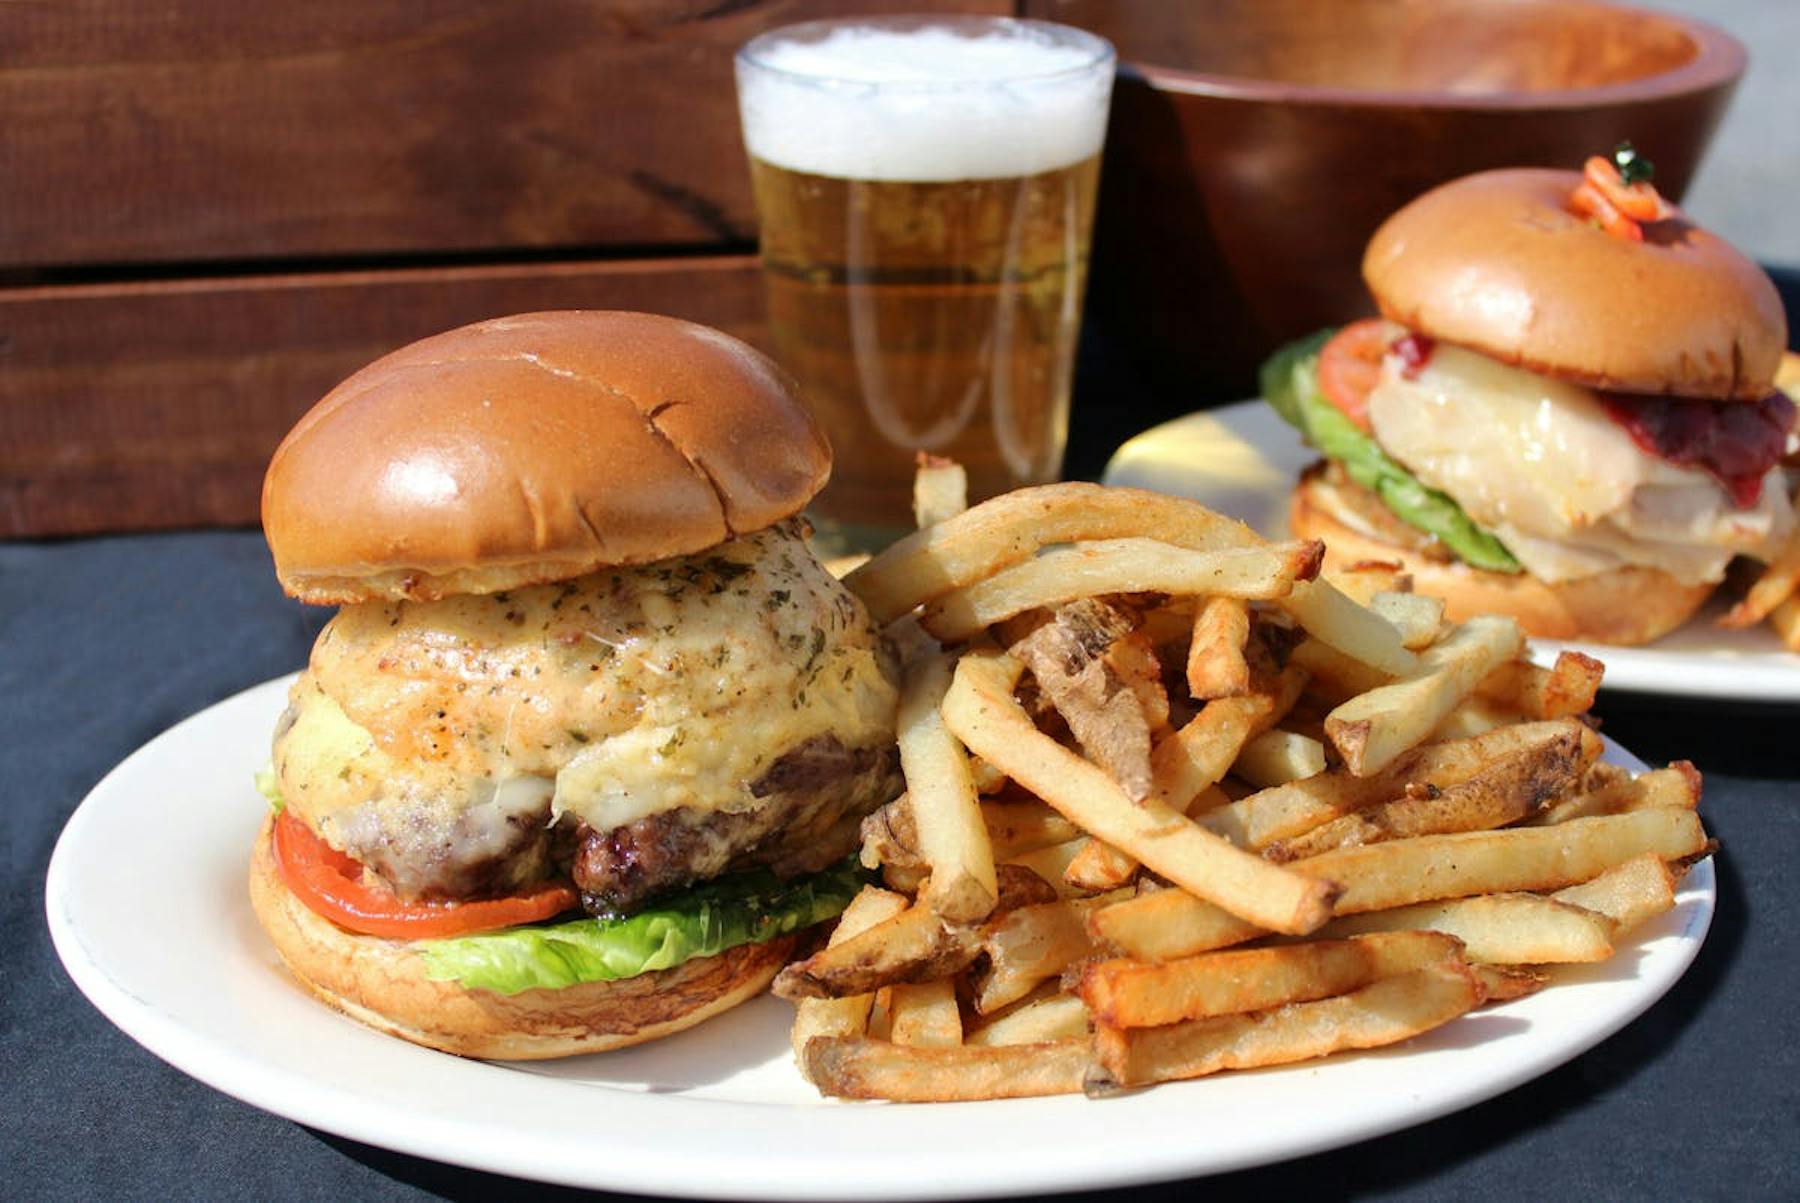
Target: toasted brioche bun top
[[1498, 262], [535, 448]]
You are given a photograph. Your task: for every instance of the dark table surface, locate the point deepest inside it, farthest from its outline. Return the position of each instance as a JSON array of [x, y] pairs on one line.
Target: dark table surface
[[106, 642]]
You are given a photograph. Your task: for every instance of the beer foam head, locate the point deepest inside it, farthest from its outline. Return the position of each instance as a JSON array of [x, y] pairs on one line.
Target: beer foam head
[[925, 101]]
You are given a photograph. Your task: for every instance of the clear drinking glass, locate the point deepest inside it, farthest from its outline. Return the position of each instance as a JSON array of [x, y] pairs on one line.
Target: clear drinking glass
[[925, 187]]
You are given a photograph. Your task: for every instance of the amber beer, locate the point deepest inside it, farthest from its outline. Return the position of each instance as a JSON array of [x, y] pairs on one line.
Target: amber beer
[[924, 242]]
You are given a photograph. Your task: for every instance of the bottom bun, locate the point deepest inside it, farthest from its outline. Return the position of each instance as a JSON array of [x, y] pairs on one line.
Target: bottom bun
[[1626, 606], [382, 983]]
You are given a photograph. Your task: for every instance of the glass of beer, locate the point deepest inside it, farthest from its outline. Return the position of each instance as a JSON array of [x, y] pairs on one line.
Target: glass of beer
[[925, 187]]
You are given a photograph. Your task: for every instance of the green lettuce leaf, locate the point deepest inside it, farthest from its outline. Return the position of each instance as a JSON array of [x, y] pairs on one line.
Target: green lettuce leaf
[[269, 786], [703, 921], [1290, 384]]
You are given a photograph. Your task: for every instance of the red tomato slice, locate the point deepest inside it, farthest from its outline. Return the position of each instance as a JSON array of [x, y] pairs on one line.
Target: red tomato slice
[[1350, 365], [332, 885]]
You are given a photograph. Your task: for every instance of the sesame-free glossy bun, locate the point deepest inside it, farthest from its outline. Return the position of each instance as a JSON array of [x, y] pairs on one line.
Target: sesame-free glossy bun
[[382, 983], [1498, 263], [1626, 606], [535, 448]]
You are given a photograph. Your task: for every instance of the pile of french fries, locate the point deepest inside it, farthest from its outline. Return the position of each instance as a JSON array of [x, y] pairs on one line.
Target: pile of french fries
[[1177, 804]]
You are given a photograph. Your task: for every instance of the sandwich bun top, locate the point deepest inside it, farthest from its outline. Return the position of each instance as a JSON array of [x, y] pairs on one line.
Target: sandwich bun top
[[1497, 262], [535, 448]]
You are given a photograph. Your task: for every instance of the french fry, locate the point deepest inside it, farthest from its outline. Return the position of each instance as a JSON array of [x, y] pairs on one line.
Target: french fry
[[1052, 864], [1054, 1016], [1088, 661], [1334, 619], [1204, 749], [1501, 929], [1678, 786], [924, 1015], [1362, 580], [1335, 674], [1278, 757], [1384, 1012], [1028, 946], [1418, 617], [1373, 729], [1133, 565], [1627, 894], [1474, 716], [847, 1016], [1098, 866], [940, 490], [1166, 924], [1503, 983], [951, 835], [981, 710], [1785, 618], [1513, 787], [1776, 584], [1015, 526], [1136, 994], [915, 945], [1216, 667], [1567, 688], [854, 1067], [1018, 824]]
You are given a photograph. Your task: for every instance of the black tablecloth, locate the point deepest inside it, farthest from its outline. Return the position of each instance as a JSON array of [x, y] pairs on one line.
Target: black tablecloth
[[106, 642]]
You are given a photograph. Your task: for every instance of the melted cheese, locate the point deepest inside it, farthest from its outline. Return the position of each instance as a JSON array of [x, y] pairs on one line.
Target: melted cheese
[[1541, 464], [609, 697]]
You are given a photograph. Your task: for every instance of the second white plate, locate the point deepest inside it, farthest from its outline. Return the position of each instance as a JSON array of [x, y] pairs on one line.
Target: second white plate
[[1242, 460]]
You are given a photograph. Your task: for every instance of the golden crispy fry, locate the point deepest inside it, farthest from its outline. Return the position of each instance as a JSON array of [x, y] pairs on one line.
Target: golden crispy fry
[[1019, 823], [1362, 580], [848, 1016], [1285, 811], [1503, 983], [1120, 566], [1331, 618], [854, 1067], [1203, 750], [1333, 674], [951, 836], [916, 945], [924, 1015], [1370, 731], [1785, 618], [1384, 1012], [1475, 716], [940, 490], [1053, 1016], [1418, 617], [1501, 929], [1278, 757], [1627, 894], [1165, 924], [1099, 866], [1511, 788], [981, 710], [1565, 689], [1678, 786], [1015, 526], [1028, 946], [1216, 667], [1776, 584], [1138, 994]]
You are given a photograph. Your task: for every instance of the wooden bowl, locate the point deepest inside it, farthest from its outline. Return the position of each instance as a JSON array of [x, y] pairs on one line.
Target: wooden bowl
[[1256, 144]]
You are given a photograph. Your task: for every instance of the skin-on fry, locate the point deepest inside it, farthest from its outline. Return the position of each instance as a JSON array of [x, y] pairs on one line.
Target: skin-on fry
[[1216, 667], [1052, 864], [1019, 823], [924, 1015], [1055, 1016], [951, 836], [1678, 786], [1372, 729], [847, 1016], [1417, 617], [1384, 1012], [1501, 929], [854, 1067], [1503, 983], [981, 710], [1135, 994], [1015, 526], [1566, 688], [1515, 786], [914, 946], [1362, 580], [1173, 923], [1628, 894], [940, 490], [1326, 614], [1132, 565], [1278, 757], [1029, 946]]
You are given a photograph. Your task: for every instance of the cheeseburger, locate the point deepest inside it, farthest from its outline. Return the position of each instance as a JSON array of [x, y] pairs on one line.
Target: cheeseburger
[[588, 741], [1567, 411]]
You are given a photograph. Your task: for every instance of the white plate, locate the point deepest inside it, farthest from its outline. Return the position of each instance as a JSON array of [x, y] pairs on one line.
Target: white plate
[[1242, 460], [147, 907]]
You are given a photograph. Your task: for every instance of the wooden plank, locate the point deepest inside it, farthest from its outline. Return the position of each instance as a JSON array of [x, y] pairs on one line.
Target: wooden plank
[[157, 405], [214, 130]]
